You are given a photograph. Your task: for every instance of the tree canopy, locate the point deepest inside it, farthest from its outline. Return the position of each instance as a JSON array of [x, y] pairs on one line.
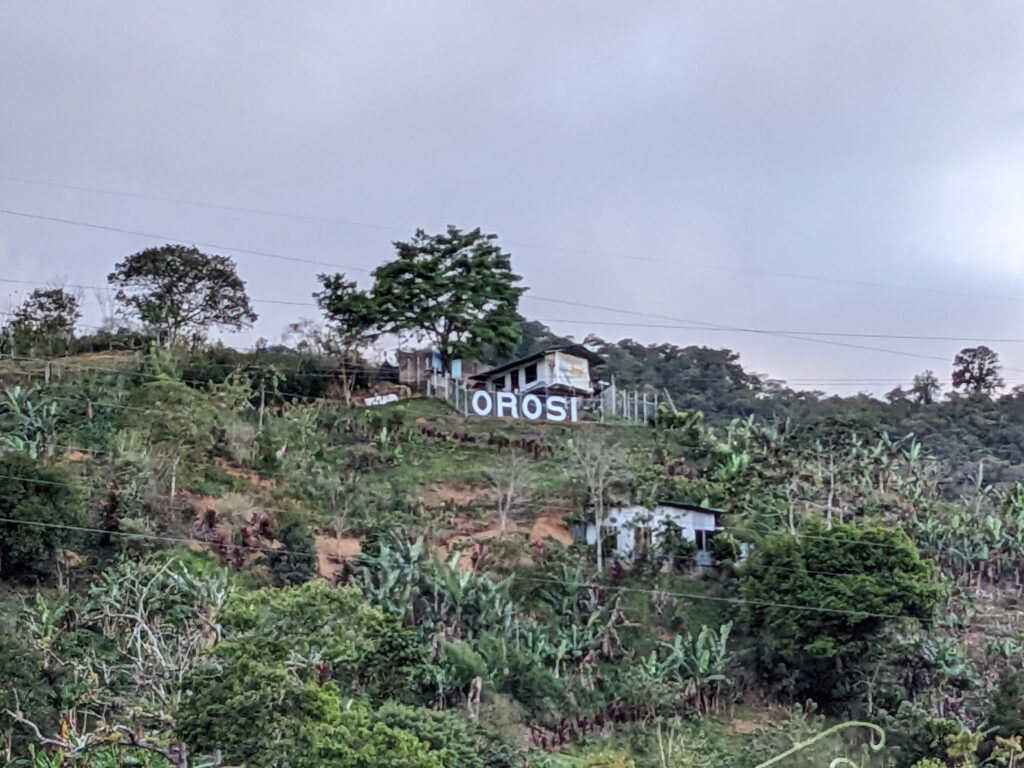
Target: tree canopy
[[926, 387], [821, 599], [456, 289], [175, 289], [354, 321], [976, 370], [274, 691], [43, 324]]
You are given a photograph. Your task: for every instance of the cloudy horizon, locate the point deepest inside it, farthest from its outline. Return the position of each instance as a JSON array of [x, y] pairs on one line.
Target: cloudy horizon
[[799, 168]]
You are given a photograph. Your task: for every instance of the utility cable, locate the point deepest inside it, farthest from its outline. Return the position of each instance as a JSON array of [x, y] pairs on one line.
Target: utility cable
[[568, 250]]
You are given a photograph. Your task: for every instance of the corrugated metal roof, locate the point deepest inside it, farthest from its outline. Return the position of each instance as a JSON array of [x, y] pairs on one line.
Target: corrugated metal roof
[[577, 350]]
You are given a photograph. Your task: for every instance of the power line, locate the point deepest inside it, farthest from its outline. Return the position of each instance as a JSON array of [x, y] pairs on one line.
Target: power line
[[699, 323], [851, 334], [692, 324], [183, 241], [88, 286], [520, 244], [588, 585], [74, 362], [197, 204], [717, 326], [130, 373]]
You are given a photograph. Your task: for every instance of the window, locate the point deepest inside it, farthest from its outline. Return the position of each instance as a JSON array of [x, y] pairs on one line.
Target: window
[[530, 373], [704, 538], [642, 540]]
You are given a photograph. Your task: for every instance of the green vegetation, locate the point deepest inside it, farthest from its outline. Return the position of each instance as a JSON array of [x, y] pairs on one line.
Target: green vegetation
[[174, 289], [207, 557], [38, 509], [44, 324], [456, 289]]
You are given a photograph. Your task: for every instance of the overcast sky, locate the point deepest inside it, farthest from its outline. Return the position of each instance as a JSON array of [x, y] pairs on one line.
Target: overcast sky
[[687, 161]]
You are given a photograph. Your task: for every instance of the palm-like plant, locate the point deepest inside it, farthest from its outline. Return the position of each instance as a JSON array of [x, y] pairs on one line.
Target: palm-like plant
[[30, 421], [702, 662]]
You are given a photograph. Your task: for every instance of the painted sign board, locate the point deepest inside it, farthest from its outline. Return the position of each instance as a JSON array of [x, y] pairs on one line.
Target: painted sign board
[[571, 371], [524, 406], [381, 399]]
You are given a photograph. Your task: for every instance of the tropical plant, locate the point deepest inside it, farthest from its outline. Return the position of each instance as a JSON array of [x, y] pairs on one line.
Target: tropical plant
[[30, 420]]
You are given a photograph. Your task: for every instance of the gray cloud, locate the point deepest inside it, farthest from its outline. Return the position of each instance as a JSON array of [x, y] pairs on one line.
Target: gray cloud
[[870, 142]]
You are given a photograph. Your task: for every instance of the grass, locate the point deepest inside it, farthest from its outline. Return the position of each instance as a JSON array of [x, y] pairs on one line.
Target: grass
[[28, 369], [429, 460]]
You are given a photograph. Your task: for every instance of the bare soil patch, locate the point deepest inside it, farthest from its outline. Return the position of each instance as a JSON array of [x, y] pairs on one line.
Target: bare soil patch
[[552, 527]]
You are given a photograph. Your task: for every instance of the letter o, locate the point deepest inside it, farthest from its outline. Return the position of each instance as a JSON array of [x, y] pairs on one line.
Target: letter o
[[532, 407], [482, 402]]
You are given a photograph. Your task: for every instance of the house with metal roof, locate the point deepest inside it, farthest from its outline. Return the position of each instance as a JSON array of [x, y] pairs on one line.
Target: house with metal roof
[[562, 370], [630, 530]]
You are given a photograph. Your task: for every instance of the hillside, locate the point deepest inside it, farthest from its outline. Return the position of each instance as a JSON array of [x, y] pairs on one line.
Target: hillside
[[181, 565]]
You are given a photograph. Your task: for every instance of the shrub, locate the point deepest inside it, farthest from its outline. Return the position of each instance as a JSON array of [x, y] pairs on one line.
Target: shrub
[[863, 578], [465, 743], [36, 503]]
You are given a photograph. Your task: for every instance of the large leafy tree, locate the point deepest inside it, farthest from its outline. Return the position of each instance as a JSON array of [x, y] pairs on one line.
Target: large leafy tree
[[819, 601], [457, 289], [976, 371], [354, 318], [43, 324], [176, 289]]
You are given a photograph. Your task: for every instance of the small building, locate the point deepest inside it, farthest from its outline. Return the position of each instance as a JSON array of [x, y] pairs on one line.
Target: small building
[[563, 370], [416, 367], [631, 530]]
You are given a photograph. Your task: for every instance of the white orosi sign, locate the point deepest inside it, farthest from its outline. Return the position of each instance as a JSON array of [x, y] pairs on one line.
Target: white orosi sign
[[519, 406], [381, 399]]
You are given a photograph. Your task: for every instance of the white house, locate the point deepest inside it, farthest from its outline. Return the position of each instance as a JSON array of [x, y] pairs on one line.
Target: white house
[[563, 370], [631, 530]]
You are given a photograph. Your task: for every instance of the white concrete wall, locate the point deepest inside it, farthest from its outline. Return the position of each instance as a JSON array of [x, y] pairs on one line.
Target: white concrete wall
[[556, 368], [627, 519]]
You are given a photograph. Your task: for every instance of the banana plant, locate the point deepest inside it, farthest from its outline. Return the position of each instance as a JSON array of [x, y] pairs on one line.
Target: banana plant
[[703, 661], [30, 421]]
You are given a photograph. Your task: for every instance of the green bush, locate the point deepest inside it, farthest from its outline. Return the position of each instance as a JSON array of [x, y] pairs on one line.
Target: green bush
[[261, 715], [370, 654], [820, 601], [297, 561], [465, 743], [1006, 705], [24, 679], [725, 548], [36, 503]]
